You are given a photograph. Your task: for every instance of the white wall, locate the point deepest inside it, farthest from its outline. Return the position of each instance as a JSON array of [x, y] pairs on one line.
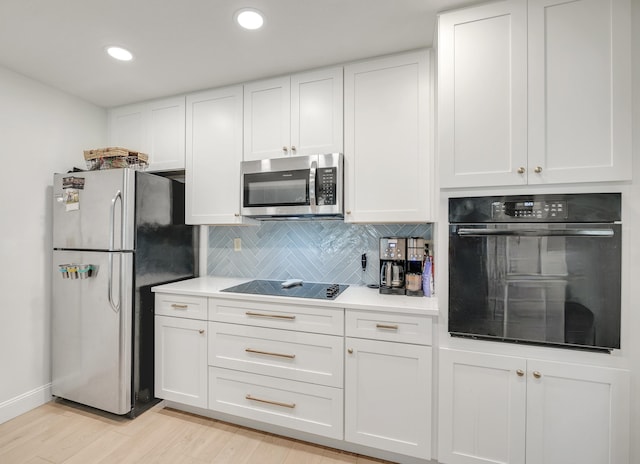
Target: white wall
[[42, 131]]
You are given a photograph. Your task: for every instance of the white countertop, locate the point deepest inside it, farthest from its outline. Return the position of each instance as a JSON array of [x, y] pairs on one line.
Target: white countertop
[[354, 297]]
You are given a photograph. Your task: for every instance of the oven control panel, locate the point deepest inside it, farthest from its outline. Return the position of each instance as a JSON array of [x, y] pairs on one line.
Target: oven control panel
[[529, 209]]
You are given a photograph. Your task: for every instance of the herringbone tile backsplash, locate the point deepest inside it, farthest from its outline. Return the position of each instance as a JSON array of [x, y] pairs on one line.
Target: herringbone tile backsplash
[[315, 251]]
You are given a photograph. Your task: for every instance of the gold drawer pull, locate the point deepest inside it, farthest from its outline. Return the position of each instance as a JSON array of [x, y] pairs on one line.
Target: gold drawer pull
[[279, 355], [179, 306], [387, 326], [275, 316], [277, 403]]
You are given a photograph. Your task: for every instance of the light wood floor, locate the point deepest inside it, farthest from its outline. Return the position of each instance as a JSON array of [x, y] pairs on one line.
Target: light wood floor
[[59, 433]]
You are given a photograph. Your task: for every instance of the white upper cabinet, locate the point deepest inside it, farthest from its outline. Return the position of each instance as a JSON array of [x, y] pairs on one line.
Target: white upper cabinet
[[214, 153], [579, 91], [388, 139], [156, 128], [482, 95], [293, 115], [534, 92]]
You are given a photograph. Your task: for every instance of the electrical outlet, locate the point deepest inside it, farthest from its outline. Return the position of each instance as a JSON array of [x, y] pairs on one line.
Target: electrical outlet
[[237, 244]]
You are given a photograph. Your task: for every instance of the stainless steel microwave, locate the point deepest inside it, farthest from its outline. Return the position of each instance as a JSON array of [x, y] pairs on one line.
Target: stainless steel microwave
[[306, 187]]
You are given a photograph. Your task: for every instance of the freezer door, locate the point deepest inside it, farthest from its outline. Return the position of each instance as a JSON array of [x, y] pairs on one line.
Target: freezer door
[[91, 323], [94, 210]]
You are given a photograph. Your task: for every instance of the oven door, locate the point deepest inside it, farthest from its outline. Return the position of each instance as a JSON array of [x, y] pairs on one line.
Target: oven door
[[556, 284]]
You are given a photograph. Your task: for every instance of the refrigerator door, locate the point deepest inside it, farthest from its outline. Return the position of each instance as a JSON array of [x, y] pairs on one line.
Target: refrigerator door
[[91, 329], [94, 210]]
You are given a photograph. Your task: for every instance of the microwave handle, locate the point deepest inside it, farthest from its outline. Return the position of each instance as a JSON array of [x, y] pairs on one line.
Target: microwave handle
[[536, 232], [312, 186]]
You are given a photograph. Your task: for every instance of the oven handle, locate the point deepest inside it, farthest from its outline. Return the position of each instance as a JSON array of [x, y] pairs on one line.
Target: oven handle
[[536, 232]]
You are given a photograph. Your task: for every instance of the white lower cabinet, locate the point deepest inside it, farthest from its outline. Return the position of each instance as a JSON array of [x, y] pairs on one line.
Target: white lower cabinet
[[361, 378], [300, 406], [181, 360], [388, 396], [281, 364], [388, 376], [506, 409]]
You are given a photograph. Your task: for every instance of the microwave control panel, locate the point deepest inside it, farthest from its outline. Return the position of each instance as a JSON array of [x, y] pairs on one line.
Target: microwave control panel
[[528, 209], [326, 186]]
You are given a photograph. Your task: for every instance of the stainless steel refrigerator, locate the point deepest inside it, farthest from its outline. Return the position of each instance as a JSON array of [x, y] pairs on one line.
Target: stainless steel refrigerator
[[116, 233]]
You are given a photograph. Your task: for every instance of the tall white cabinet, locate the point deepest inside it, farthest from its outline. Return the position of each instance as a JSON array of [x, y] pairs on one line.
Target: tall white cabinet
[[507, 409], [388, 140], [213, 156], [294, 115], [534, 92], [156, 128]]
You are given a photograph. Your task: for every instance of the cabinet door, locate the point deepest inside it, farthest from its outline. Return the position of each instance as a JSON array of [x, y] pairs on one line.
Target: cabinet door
[[482, 95], [316, 112], [388, 148], [155, 128], [127, 127], [181, 360], [577, 414], [214, 153], [267, 119], [388, 396], [482, 400], [579, 88], [165, 133]]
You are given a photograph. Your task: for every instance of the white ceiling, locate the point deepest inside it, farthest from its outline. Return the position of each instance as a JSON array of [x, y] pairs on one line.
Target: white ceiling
[[186, 45]]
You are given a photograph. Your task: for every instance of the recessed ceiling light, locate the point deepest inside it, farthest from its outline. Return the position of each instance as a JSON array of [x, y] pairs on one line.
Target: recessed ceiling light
[[120, 53], [249, 18]]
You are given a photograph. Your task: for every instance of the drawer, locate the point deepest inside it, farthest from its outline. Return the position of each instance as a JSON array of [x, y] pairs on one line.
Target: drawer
[[300, 406], [300, 356], [191, 307], [285, 316], [389, 327]]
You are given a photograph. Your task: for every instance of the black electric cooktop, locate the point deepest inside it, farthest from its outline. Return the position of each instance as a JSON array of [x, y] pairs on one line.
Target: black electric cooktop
[[313, 290]]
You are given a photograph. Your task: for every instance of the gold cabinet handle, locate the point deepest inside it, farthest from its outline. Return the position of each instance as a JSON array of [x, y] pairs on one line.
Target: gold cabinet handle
[[350, 351], [537, 374], [268, 353], [179, 306], [538, 169], [277, 403], [521, 170], [348, 211], [293, 148], [520, 372], [285, 149], [201, 331], [236, 214], [387, 326], [275, 316]]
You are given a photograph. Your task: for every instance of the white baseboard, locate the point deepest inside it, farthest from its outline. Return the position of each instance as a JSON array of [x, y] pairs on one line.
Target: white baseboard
[[25, 402]]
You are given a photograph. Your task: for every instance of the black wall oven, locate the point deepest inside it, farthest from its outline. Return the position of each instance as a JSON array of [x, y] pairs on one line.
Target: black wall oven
[[541, 269]]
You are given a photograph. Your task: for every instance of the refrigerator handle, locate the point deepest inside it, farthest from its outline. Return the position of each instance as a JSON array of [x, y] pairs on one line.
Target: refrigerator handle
[[114, 306], [112, 221]]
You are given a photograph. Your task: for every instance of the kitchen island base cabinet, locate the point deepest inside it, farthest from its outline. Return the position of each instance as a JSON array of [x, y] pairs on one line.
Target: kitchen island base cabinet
[[181, 360], [506, 409]]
